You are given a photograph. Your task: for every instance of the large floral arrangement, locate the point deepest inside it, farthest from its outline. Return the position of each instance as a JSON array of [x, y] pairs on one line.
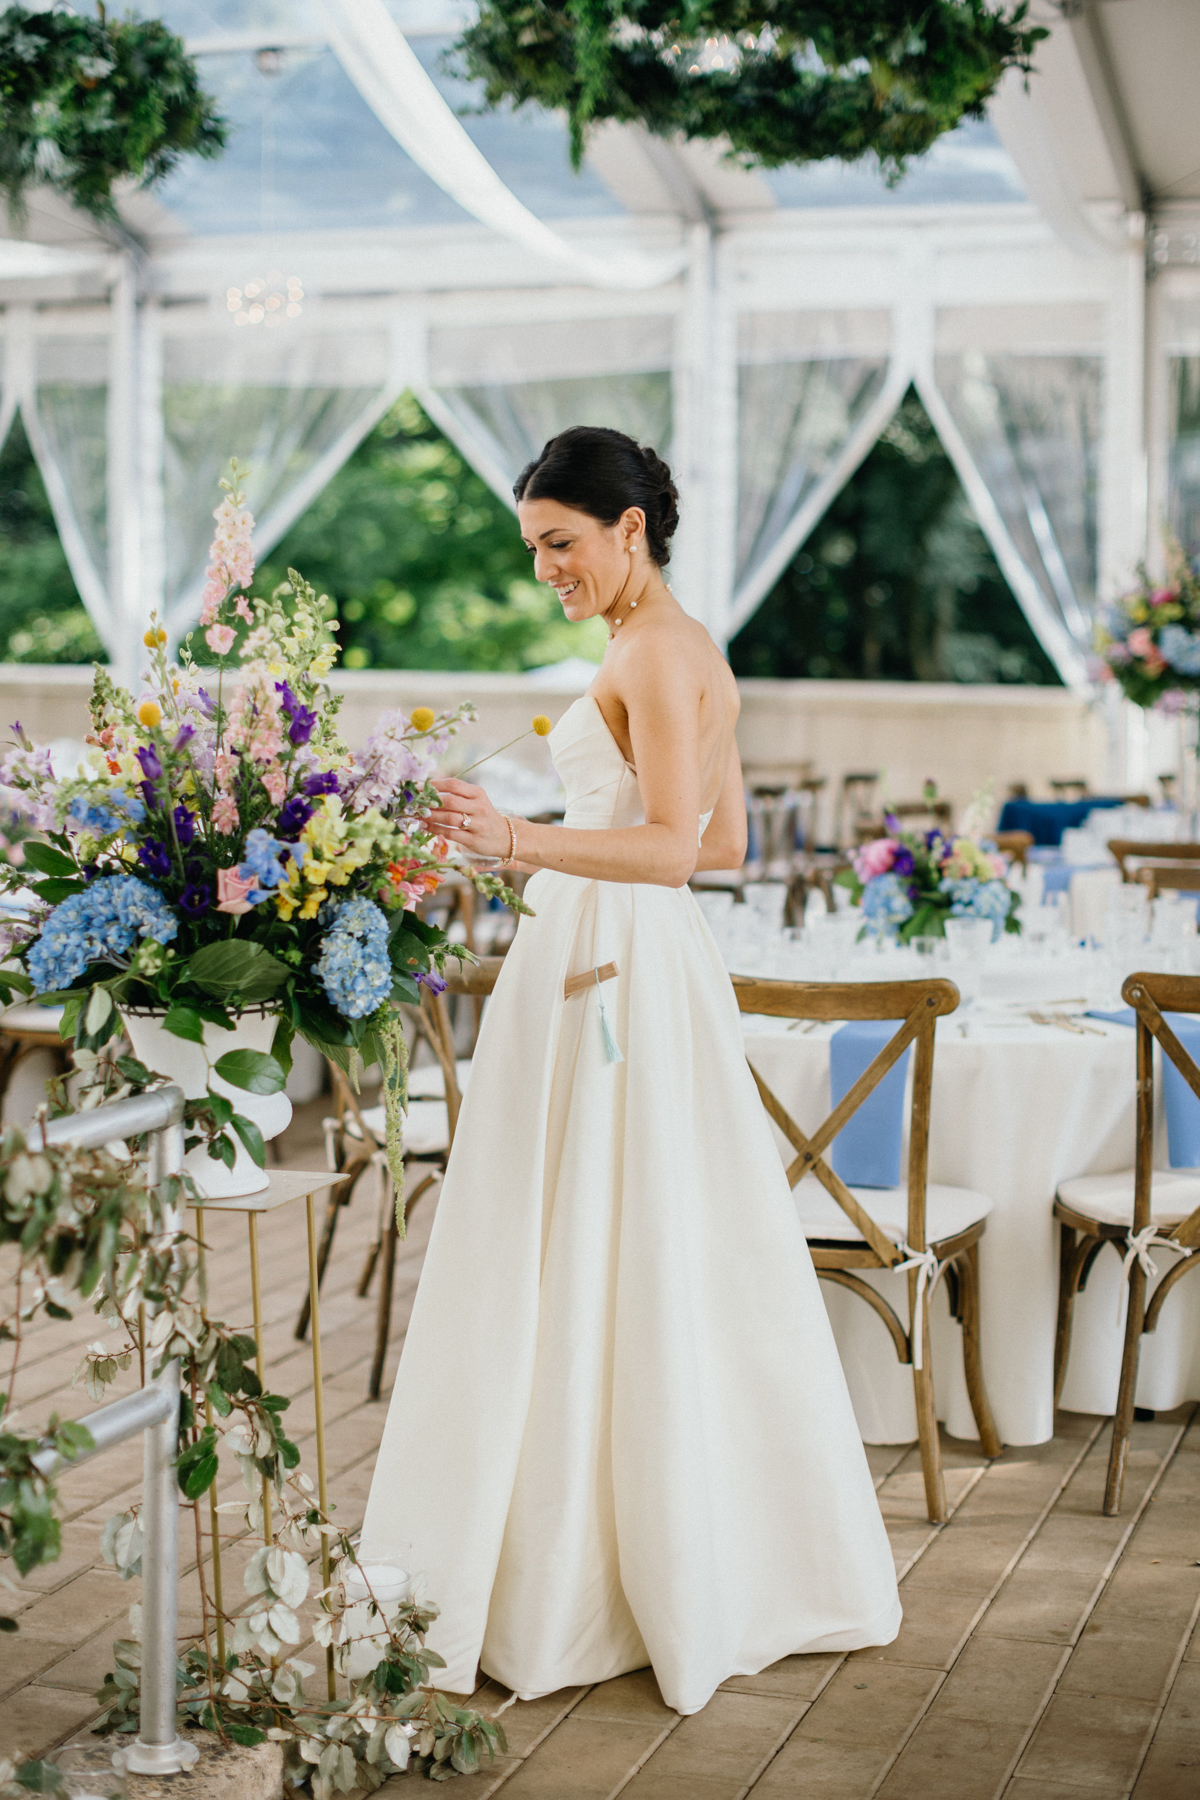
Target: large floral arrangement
[[224, 850], [909, 883], [780, 83], [1149, 640], [88, 102]]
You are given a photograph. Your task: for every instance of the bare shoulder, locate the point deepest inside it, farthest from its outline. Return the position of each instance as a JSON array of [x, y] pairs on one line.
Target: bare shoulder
[[675, 651]]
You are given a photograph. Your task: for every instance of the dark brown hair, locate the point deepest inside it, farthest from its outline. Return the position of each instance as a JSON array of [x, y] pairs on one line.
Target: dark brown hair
[[603, 472]]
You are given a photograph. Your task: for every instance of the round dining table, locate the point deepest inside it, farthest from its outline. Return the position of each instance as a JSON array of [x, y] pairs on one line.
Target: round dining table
[[1017, 1107]]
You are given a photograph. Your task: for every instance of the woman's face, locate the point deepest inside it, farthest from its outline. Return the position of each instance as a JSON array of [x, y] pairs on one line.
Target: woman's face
[[587, 563]]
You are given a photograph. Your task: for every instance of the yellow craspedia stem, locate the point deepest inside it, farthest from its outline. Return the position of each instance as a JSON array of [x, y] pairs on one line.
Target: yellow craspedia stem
[[149, 714], [542, 725], [421, 718]]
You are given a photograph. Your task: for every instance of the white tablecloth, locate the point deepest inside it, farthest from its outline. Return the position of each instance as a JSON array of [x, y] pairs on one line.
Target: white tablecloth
[[1016, 1110]]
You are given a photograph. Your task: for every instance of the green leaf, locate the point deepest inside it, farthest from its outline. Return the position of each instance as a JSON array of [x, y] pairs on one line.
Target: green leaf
[[246, 1735], [41, 1778], [223, 1149], [134, 1071], [252, 1139], [72, 1007], [54, 890], [185, 1022], [55, 1311], [252, 1070], [218, 1399], [281, 1045], [405, 988], [48, 861], [7, 1624], [199, 1478], [237, 965]]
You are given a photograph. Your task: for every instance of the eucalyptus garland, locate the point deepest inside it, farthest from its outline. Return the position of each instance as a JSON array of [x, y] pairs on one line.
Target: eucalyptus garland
[[784, 81], [85, 102]]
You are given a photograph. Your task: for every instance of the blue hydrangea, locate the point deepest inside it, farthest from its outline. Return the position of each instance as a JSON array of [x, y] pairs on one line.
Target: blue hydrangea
[[263, 862], [354, 964], [972, 899], [886, 904], [1181, 649], [114, 812], [99, 925]]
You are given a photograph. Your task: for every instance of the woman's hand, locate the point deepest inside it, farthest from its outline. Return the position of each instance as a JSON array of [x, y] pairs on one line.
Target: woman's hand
[[468, 818]]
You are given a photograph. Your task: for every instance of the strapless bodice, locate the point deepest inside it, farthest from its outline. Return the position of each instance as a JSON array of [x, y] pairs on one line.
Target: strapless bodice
[[602, 790]]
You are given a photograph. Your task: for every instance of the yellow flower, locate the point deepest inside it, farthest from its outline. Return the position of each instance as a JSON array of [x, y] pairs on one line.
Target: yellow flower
[[321, 665], [317, 871], [542, 725], [312, 903], [421, 718], [285, 903], [149, 714]]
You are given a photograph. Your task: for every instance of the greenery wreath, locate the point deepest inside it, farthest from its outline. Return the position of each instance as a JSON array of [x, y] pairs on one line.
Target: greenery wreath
[[85, 102], [783, 81]]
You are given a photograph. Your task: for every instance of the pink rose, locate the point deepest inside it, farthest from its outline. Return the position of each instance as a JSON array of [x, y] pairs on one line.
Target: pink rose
[[875, 858], [1140, 642], [232, 891], [220, 638], [1161, 596]]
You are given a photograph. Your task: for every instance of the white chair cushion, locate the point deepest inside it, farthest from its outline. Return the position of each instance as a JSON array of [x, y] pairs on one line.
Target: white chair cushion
[[1174, 1193], [948, 1210], [428, 1083], [426, 1126], [31, 1017]]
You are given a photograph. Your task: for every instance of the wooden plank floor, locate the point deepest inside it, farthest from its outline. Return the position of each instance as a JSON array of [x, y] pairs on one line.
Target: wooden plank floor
[[1047, 1653]]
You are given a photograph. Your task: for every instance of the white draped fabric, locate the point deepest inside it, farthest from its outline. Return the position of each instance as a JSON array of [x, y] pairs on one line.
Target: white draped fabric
[[808, 385], [292, 407], [501, 394], [1028, 417]]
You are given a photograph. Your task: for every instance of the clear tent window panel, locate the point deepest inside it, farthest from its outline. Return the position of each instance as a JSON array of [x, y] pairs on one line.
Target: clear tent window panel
[[282, 405], [501, 392], [1183, 387], [1026, 395], [806, 381], [69, 434]]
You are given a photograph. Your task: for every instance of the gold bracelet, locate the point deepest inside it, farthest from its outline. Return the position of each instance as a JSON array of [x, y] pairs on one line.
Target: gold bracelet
[[512, 842]]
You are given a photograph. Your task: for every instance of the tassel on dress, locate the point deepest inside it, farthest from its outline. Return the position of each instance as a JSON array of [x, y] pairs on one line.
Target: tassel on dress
[[612, 1050]]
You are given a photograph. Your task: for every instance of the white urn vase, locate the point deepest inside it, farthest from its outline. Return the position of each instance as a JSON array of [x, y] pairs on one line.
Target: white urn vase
[[191, 1067]]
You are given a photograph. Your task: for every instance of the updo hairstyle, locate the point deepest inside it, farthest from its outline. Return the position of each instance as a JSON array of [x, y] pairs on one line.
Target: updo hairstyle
[[603, 473]]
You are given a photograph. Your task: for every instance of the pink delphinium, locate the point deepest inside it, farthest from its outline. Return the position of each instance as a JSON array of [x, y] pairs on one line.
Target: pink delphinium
[[875, 858], [225, 814], [219, 639], [231, 559], [275, 782]]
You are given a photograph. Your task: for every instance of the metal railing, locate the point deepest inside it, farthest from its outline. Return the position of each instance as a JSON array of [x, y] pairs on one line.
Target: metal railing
[[153, 1410]]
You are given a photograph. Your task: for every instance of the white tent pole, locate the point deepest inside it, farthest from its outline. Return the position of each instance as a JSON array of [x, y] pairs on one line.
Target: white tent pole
[[151, 434], [722, 460], [1123, 472], [696, 458], [854, 451], [84, 573], [124, 483], [1158, 427], [379, 60]]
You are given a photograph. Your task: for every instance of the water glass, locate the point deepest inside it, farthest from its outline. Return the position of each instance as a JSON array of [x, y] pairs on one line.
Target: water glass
[[767, 899], [929, 947], [968, 939]]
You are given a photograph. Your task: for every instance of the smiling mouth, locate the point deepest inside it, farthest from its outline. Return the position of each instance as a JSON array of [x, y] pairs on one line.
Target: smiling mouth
[[564, 593]]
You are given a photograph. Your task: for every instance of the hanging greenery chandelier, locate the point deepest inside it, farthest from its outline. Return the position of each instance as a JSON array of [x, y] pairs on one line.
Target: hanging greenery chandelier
[[87, 102], [784, 81]]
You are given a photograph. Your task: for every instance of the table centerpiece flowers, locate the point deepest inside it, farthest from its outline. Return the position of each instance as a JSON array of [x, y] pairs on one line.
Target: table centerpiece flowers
[[1149, 639], [909, 883], [224, 873]]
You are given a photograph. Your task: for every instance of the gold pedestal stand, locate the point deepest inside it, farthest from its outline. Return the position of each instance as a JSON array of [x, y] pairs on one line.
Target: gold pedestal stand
[[283, 1186]]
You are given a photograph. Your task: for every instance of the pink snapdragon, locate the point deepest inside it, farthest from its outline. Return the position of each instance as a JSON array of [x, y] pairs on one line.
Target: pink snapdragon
[[219, 639], [275, 782], [225, 814], [231, 558], [875, 858]]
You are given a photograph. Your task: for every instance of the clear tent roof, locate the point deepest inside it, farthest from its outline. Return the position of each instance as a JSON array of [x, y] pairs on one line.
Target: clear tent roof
[[306, 151]]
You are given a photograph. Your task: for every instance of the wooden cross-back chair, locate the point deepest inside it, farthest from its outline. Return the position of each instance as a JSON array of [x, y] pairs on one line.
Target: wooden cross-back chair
[[1141, 851], [355, 1142], [1133, 1210], [927, 1231]]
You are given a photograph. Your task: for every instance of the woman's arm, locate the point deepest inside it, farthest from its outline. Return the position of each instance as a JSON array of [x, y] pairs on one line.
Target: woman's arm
[[661, 695], [723, 845]]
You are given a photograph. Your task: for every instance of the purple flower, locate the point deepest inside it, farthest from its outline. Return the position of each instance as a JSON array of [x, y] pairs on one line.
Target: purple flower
[[301, 728], [183, 736], [324, 783], [185, 825], [155, 858], [293, 817], [195, 899], [902, 862], [429, 978], [151, 767], [148, 795], [203, 702], [892, 823]]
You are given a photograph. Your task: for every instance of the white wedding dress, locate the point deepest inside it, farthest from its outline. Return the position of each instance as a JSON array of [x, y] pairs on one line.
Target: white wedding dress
[[620, 1433]]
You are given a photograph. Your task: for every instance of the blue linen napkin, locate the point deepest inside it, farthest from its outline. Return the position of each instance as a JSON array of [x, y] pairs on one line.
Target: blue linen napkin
[[1179, 1103], [866, 1152]]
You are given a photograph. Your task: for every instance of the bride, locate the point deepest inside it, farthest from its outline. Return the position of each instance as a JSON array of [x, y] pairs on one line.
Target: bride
[[620, 1433]]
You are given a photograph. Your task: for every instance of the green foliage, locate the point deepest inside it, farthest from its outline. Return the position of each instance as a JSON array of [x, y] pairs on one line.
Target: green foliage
[[87, 102], [427, 565], [42, 618], [798, 80], [896, 583]]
